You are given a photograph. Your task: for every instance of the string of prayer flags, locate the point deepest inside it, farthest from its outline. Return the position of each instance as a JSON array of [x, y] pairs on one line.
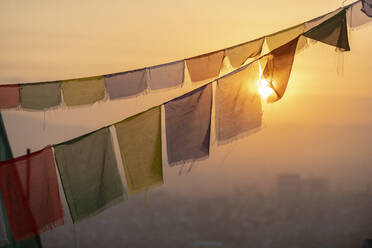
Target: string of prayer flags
[[238, 103], [40, 96], [358, 17], [333, 31], [125, 84], [367, 7], [9, 96], [83, 91], [139, 139], [29, 187], [278, 68], [167, 75], [188, 123], [280, 38], [239, 54], [205, 66], [89, 173]]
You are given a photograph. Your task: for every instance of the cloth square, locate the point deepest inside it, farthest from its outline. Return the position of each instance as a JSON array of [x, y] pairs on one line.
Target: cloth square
[[332, 31], [40, 96], [238, 103], [83, 91], [167, 75], [205, 66], [240, 53], [89, 173], [9, 96], [139, 140], [281, 38], [29, 187], [188, 123], [279, 66], [126, 84]]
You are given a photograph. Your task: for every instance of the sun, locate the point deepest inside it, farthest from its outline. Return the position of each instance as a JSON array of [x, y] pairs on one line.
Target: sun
[[265, 90]]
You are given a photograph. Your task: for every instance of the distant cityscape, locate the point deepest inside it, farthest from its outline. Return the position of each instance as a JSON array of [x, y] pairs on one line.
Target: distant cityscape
[[300, 213]]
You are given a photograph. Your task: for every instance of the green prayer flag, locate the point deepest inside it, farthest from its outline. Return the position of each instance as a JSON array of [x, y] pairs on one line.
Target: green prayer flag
[[89, 173], [332, 31], [40, 96], [139, 139]]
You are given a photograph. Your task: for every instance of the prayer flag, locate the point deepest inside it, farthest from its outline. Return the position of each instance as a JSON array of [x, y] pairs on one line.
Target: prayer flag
[[126, 84], [9, 96], [29, 187], [367, 7], [281, 38], [83, 91], [167, 75], [188, 123], [358, 16], [89, 173], [332, 31], [278, 67], [40, 96], [238, 103], [139, 140], [205, 66], [240, 53]]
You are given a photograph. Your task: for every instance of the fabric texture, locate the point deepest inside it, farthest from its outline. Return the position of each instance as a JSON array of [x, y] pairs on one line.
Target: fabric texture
[[125, 84], [281, 38], [167, 75], [332, 31], [205, 66], [278, 67], [6, 154], [238, 103], [89, 173], [188, 123], [83, 91], [139, 140], [40, 96], [3, 234], [239, 54], [358, 16], [9, 96], [29, 187], [367, 7]]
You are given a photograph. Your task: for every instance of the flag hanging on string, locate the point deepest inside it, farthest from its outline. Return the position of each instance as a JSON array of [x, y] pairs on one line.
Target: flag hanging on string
[[29, 187], [167, 75], [89, 173], [278, 68], [238, 103], [188, 123], [9, 96], [333, 31], [320, 19], [40, 96], [358, 16], [205, 66], [240, 53], [83, 91], [139, 140], [367, 7], [126, 84], [281, 38]]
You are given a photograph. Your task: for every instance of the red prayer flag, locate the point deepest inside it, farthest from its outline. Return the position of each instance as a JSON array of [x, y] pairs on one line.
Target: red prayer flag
[[9, 96], [29, 188]]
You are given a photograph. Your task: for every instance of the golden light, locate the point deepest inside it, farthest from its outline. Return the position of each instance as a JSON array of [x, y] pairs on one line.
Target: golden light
[[265, 90]]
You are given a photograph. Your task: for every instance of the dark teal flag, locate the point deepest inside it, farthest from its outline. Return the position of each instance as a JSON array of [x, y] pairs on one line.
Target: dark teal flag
[[6, 154]]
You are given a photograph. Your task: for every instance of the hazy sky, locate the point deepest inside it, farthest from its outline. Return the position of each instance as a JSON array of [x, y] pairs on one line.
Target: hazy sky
[[51, 40]]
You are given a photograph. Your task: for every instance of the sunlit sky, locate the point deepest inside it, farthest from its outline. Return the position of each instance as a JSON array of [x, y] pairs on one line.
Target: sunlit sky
[[51, 40]]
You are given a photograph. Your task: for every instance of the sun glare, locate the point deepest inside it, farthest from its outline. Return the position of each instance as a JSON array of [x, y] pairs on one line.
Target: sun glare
[[265, 89]]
